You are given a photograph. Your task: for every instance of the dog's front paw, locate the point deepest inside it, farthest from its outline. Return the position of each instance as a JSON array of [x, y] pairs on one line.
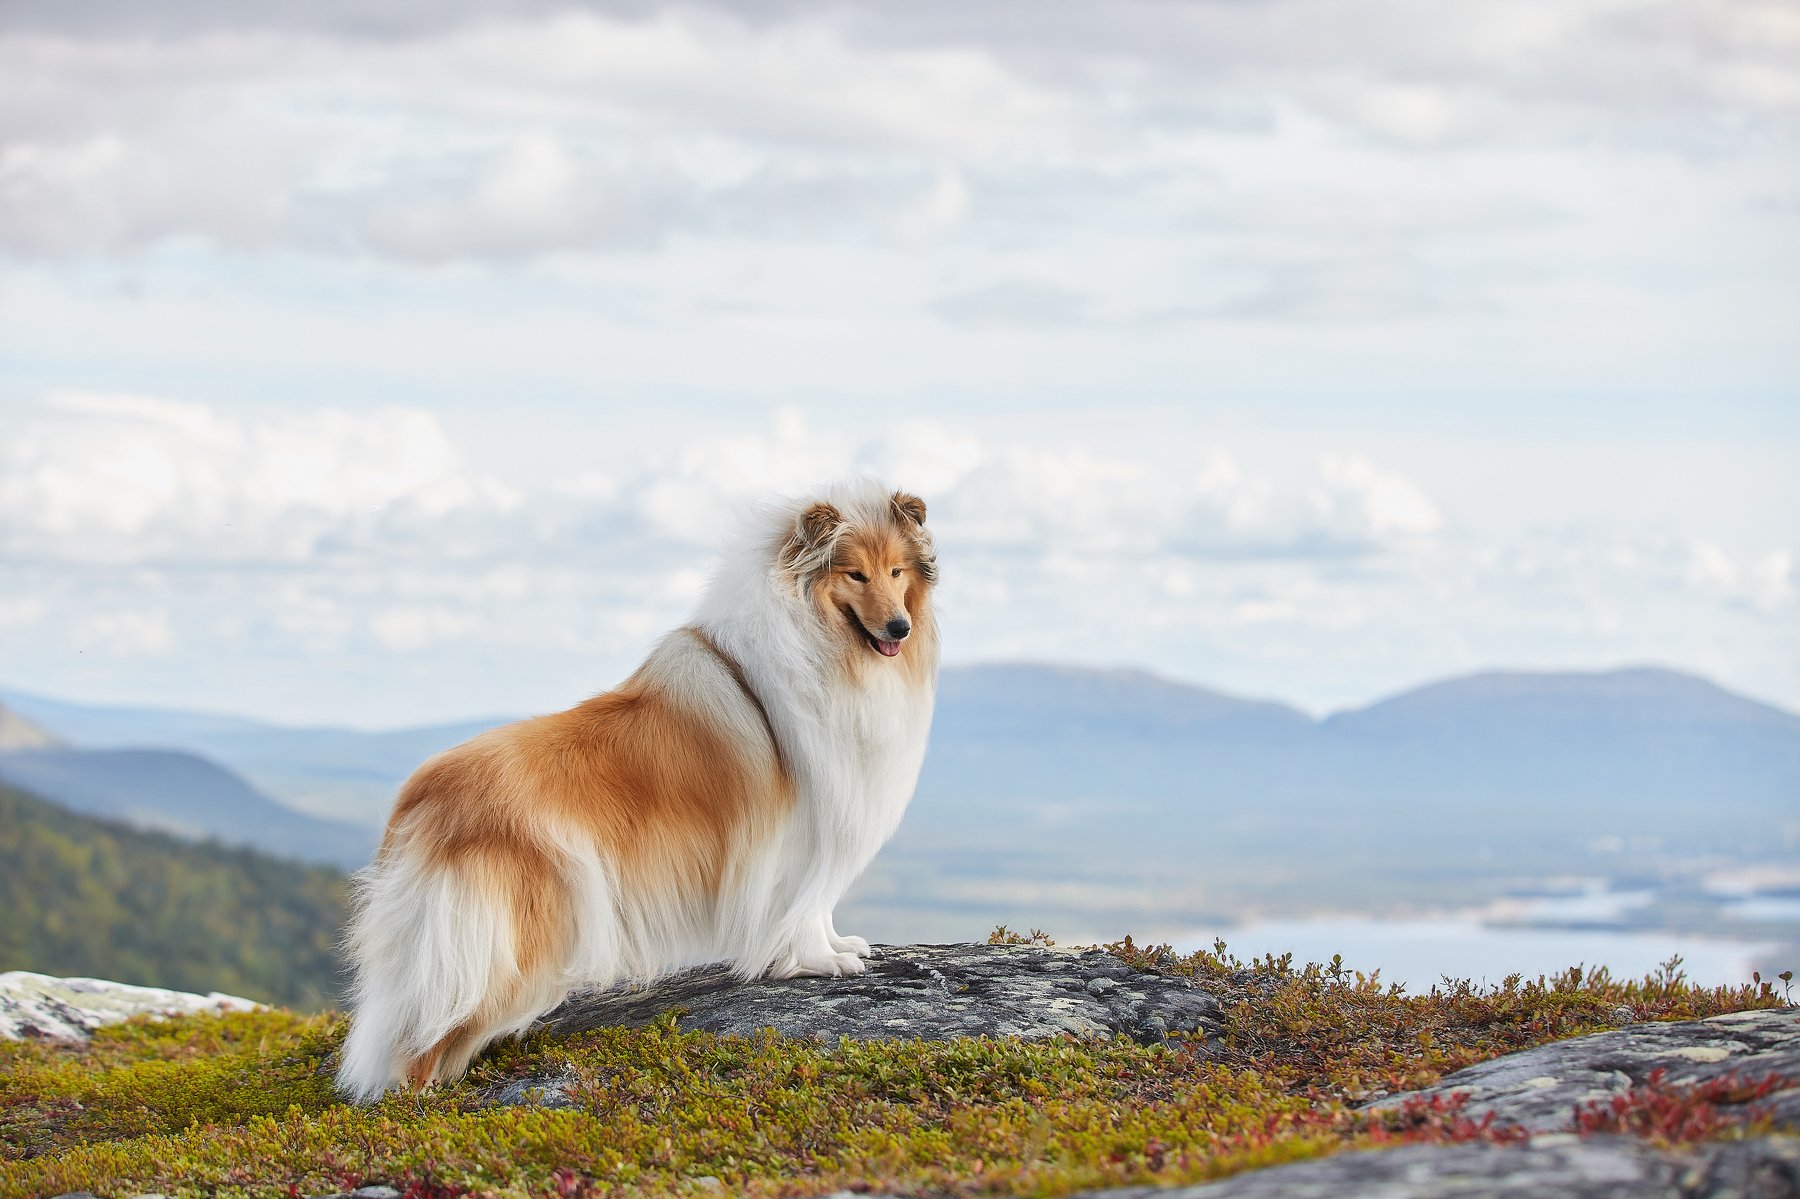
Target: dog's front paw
[[854, 945], [833, 965]]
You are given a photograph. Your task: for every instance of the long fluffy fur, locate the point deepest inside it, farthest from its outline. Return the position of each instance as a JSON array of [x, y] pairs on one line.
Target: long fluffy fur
[[715, 806]]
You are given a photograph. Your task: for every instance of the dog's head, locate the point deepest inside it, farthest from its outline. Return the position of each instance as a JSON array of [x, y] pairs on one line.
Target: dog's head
[[868, 569]]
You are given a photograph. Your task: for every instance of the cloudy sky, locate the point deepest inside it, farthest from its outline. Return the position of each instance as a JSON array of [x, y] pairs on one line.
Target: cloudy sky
[[402, 363]]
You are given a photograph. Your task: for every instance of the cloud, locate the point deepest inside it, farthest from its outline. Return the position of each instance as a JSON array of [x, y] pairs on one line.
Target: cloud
[[1764, 582], [1363, 503], [441, 133], [530, 197], [119, 477], [408, 629], [127, 633], [341, 550], [98, 477], [503, 139], [1013, 302]]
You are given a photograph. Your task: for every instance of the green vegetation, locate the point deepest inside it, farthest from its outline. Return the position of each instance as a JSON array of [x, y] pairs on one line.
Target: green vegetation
[[89, 897], [241, 1103]]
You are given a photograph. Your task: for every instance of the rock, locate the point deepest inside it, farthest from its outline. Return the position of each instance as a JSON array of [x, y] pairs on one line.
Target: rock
[[1567, 1167], [544, 1090], [932, 991], [70, 1009], [1541, 1088]]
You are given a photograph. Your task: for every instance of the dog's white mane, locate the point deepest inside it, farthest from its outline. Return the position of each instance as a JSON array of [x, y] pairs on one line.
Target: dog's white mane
[[855, 750]]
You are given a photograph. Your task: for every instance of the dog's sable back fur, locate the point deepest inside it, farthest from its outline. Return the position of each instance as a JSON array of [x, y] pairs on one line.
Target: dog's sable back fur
[[715, 807]]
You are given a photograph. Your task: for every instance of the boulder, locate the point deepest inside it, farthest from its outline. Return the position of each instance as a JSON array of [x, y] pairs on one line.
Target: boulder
[[70, 1009], [1540, 1088], [935, 992], [932, 992], [1564, 1166]]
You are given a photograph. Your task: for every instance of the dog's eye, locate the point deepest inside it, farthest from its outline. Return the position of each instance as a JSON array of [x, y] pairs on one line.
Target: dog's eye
[[859, 576], [896, 572]]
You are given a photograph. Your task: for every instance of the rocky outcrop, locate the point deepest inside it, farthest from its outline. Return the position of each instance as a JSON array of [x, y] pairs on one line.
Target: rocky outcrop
[[936, 992], [1540, 1088], [1566, 1167], [69, 1009]]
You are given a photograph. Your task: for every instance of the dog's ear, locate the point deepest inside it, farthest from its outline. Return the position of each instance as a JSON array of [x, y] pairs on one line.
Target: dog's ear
[[909, 508], [818, 524], [813, 538]]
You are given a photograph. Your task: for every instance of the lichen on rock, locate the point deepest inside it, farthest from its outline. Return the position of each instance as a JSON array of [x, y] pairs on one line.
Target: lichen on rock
[[1540, 1089], [933, 992], [38, 1006]]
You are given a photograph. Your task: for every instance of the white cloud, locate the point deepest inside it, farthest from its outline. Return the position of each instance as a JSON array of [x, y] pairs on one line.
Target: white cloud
[[1359, 500], [114, 477], [1765, 582], [18, 612], [126, 633], [1773, 582], [408, 629], [579, 131], [150, 528]]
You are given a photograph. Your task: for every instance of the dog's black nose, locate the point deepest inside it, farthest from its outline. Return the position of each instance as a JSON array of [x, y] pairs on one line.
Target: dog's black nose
[[898, 627]]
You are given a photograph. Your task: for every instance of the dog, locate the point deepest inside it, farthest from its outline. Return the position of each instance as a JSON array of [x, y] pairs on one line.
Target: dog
[[715, 807]]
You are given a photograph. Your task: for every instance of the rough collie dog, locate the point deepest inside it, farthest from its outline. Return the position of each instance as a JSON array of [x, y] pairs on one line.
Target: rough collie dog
[[715, 807]]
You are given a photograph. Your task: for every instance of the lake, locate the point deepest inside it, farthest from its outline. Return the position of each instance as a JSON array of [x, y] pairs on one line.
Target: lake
[[1420, 951]]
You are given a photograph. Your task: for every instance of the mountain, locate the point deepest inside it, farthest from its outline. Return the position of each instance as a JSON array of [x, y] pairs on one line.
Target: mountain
[[96, 898], [1175, 805], [338, 774], [1104, 791], [1666, 753], [16, 732], [1038, 701], [1615, 701], [182, 794]]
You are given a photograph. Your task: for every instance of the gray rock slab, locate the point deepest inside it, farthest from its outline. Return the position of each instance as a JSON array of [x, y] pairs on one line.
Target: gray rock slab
[[41, 1007], [932, 991], [1566, 1167], [1541, 1088]]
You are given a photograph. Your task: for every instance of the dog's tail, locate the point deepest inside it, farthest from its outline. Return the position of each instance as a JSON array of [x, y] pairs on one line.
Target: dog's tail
[[447, 957]]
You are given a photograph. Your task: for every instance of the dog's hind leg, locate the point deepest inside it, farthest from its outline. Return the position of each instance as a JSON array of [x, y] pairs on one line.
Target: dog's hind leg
[[448, 958]]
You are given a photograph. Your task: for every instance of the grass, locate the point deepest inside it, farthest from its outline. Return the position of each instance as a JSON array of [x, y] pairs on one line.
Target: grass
[[241, 1104]]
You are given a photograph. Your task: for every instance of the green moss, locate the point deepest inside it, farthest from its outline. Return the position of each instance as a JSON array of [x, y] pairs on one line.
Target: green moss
[[241, 1104]]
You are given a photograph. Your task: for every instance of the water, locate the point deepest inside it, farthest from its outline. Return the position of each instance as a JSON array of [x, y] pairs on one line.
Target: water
[[1419, 952]]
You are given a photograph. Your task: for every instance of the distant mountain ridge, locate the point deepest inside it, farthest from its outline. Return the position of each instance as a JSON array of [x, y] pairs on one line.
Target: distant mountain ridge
[[1642, 692], [1119, 783], [183, 794]]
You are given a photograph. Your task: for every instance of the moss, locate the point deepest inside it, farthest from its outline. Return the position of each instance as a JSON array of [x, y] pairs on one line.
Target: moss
[[241, 1104]]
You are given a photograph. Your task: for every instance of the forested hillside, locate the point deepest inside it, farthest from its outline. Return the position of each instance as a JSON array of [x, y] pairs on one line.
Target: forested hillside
[[89, 897]]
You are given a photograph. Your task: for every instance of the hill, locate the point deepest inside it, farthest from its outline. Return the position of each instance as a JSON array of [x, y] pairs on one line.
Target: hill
[[184, 794], [93, 897], [340, 774], [16, 732], [1033, 746], [1101, 799]]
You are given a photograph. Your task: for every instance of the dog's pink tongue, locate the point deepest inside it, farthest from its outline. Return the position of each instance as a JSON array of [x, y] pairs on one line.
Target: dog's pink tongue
[[890, 648]]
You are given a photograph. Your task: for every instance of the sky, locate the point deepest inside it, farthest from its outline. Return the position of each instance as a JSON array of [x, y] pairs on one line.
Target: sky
[[401, 364]]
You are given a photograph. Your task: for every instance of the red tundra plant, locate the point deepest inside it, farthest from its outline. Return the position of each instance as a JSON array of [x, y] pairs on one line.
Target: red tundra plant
[[1439, 1120], [1666, 1113]]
